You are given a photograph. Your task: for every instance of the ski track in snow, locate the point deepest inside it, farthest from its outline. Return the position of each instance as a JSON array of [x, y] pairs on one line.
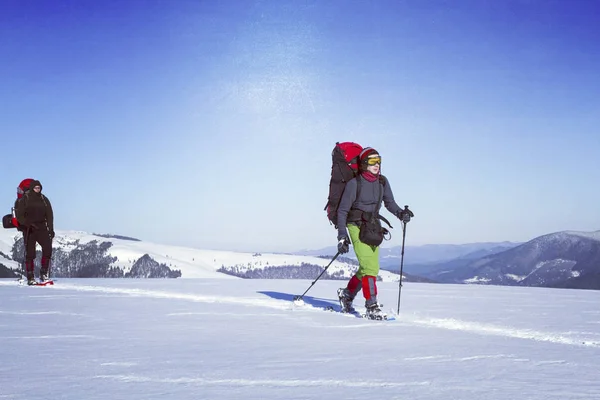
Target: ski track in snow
[[426, 358], [450, 359], [40, 313], [276, 304], [261, 382], [440, 323], [228, 314], [51, 337], [119, 364], [488, 329]]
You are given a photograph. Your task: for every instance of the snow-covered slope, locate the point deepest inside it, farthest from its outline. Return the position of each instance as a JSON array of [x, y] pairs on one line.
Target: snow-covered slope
[[7, 240], [193, 263]]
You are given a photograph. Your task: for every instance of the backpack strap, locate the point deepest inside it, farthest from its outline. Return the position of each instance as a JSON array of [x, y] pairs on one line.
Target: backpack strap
[[381, 189], [383, 181], [380, 198], [45, 206]]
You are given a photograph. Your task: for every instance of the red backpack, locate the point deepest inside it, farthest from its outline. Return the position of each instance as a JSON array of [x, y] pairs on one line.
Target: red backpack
[[344, 167], [10, 220], [23, 187]]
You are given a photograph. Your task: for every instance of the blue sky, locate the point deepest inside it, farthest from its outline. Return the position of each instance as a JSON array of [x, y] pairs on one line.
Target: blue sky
[[211, 123]]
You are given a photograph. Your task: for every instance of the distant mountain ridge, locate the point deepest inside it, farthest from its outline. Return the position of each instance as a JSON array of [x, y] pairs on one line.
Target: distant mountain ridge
[[424, 254], [567, 259]]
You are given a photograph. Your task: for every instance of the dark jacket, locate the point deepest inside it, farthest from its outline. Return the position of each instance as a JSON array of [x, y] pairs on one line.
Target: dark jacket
[[35, 209], [368, 200]]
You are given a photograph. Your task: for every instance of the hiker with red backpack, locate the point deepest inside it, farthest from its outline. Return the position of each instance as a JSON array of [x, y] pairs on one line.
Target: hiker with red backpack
[[35, 218], [357, 218]]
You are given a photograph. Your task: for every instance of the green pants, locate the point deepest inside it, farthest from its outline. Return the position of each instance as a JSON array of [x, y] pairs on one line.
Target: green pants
[[368, 256]]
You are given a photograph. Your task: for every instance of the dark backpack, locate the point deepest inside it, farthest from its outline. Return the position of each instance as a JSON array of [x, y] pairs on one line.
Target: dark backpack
[[10, 220], [344, 167]]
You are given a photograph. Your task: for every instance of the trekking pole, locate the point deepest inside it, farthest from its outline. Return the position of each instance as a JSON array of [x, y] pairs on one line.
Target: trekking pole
[[298, 299], [25, 234], [50, 262], [401, 261]]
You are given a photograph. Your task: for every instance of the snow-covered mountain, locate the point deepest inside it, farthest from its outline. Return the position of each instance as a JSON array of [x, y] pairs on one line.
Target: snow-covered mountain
[[562, 259], [81, 254], [433, 270]]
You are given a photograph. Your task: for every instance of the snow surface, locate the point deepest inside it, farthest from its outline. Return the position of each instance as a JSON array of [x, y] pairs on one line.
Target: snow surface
[[244, 339]]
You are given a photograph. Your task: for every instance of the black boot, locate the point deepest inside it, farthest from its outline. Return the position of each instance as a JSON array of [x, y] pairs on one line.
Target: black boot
[[45, 269], [346, 299], [373, 310], [29, 272]]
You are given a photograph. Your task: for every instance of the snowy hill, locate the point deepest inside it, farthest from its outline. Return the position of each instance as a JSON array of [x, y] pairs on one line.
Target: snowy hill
[[561, 259], [174, 339], [81, 254]]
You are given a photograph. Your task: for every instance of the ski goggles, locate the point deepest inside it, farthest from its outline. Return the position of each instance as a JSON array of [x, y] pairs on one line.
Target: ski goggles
[[374, 160]]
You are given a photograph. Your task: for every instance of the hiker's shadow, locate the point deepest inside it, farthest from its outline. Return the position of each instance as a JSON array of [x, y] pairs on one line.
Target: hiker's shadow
[[313, 301]]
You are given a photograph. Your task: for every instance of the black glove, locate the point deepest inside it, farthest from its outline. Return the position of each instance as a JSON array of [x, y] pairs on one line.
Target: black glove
[[405, 215], [51, 234], [343, 245]]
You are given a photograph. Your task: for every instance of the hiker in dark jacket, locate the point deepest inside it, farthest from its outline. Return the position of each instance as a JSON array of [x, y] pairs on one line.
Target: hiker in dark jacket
[[363, 195], [36, 219]]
